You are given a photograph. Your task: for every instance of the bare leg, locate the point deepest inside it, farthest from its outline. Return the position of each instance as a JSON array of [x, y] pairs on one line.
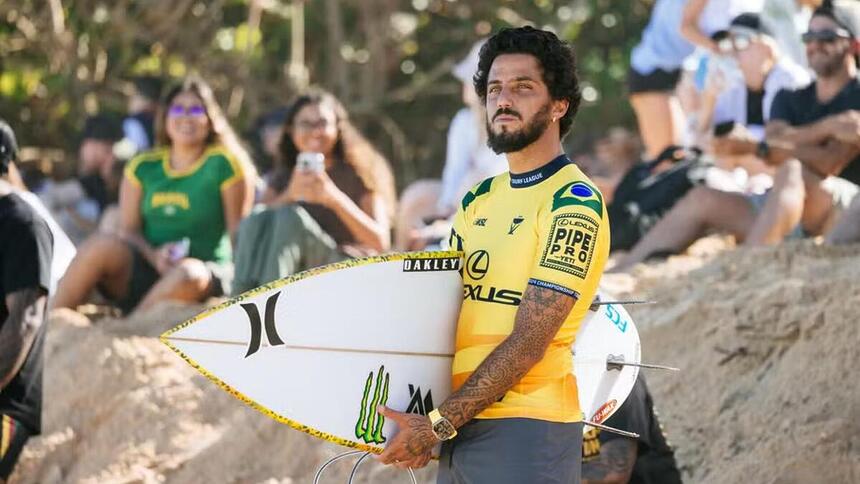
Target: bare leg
[[847, 228], [102, 260], [700, 210], [660, 118], [189, 281], [783, 208], [417, 202]]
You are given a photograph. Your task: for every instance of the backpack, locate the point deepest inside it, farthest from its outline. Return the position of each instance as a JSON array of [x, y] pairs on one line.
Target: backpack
[[643, 196]]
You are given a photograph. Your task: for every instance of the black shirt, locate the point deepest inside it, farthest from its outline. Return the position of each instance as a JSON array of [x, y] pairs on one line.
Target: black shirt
[[26, 249], [801, 106], [755, 107], [655, 459]]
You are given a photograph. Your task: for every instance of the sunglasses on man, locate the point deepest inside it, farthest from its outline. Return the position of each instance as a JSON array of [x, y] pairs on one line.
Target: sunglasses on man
[[826, 36], [177, 110], [735, 42]]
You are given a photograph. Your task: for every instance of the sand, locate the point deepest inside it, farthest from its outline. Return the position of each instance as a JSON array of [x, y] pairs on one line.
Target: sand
[[766, 338]]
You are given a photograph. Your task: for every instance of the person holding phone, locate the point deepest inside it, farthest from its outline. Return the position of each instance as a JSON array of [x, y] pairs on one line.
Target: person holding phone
[[333, 198], [174, 242]]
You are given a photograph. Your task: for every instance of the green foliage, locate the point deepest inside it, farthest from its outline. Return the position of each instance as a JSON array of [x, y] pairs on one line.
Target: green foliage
[[388, 60]]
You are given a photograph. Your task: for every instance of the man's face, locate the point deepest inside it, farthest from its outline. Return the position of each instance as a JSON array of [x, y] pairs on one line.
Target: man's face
[[518, 103], [826, 57], [94, 154], [750, 52]]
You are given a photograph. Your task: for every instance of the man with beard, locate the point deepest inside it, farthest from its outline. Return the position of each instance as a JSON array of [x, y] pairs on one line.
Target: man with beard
[[813, 137], [535, 240]]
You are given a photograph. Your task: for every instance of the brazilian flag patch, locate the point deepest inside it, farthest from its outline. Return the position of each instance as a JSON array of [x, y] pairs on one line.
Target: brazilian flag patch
[[578, 193]]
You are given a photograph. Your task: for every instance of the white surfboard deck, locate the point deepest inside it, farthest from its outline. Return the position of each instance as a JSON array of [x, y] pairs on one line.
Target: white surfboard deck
[[320, 349]]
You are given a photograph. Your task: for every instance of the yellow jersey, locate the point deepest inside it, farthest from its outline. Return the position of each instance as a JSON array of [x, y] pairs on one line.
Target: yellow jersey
[[548, 228]]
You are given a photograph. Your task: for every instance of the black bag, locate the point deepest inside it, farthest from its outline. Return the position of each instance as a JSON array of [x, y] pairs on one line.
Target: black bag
[[643, 196]]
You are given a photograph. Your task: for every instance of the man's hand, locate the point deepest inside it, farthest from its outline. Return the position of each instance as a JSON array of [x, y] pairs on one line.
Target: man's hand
[[846, 127], [413, 445]]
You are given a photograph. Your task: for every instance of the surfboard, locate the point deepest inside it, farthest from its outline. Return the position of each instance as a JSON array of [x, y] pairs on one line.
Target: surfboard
[[320, 350]]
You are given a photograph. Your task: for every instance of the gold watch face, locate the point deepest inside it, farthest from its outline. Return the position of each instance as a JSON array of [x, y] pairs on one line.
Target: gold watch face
[[443, 429]]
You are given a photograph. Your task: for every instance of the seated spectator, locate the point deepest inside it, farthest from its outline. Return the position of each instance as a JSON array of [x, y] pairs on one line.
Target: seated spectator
[[812, 135], [332, 199], [738, 111], [25, 279], [427, 206], [608, 457], [139, 126], [79, 204], [178, 206]]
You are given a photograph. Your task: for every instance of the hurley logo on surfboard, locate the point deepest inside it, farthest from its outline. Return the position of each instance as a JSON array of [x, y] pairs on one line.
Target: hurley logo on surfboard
[[369, 425]]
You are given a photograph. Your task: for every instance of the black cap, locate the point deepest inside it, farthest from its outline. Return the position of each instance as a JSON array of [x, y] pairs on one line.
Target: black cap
[[103, 128], [753, 22], [8, 146], [846, 13]]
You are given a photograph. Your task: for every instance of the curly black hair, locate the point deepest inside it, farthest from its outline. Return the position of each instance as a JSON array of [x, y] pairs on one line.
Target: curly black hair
[[556, 59]]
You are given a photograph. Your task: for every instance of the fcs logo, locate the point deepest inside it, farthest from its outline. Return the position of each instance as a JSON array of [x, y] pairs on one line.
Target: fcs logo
[[515, 223], [369, 425], [256, 327], [417, 404]]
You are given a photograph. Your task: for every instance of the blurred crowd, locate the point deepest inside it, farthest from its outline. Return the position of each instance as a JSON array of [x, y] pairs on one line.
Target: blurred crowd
[[748, 124]]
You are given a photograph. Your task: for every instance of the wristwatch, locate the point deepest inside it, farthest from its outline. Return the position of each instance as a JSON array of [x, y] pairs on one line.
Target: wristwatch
[[441, 427]]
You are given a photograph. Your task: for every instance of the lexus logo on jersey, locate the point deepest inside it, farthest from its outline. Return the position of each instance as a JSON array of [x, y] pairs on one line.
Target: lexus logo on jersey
[[478, 264]]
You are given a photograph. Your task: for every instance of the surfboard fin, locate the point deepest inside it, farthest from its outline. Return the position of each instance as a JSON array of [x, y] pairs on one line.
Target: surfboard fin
[[617, 363], [607, 428]]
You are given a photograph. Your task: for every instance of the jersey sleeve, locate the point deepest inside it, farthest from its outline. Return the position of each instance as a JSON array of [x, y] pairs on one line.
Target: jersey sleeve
[[572, 241], [230, 170], [27, 263], [130, 172]]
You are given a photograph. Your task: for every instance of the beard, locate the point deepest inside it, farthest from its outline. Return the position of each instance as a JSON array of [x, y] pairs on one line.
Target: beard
[[826, 64], [513, 141]]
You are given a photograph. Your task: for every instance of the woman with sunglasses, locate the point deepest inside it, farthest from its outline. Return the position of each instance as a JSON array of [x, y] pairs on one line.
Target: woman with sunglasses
[[333, 198], [178, 207]]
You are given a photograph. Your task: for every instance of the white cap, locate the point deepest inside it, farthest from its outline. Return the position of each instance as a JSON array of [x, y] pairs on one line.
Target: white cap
[[465, 69]]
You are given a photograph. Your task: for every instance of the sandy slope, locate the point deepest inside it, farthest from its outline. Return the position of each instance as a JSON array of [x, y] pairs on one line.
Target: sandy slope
[[767, 340]]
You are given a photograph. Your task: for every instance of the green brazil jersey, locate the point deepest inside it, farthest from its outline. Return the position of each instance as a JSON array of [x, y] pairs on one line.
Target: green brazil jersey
[[186, 204]]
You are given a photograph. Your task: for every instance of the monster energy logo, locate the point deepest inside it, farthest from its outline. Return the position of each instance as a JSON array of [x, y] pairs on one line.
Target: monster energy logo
[[369, 425]]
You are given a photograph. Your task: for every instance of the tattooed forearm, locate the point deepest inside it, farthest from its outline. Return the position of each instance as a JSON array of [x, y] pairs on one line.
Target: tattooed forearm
[[539, 317], [613, 466], [26, 311]]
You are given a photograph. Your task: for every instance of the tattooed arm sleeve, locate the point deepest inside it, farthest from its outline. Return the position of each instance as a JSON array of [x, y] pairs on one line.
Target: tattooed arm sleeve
[[614, 465], [539, 317]]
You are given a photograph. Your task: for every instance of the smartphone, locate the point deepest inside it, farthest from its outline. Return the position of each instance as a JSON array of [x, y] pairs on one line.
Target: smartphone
[[309, 161], [179, 250]]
